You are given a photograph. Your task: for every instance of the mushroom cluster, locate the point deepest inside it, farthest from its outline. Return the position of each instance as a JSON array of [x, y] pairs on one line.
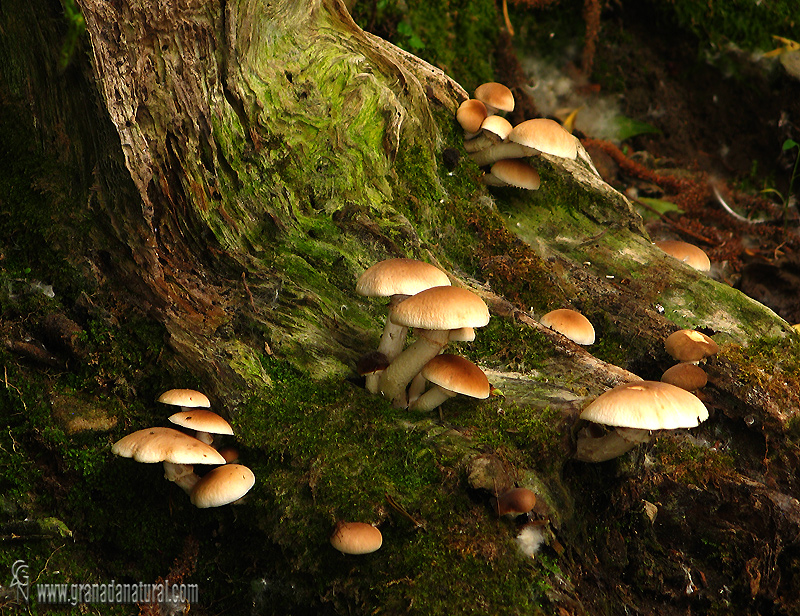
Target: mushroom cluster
[[493, 142], [180, 452], [421, 298]]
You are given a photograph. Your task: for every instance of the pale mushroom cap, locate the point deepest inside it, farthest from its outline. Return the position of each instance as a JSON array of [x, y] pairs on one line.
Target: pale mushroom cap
[[690, 345], [185, 397], [441, 308], [497, 125], [688, 253], [571, 324], [166, 445], [517, 173], [202, 420], [545, 135], [356, 538], [495, 95], [222, 485], [685, 376], [458, 374], [399, 277], [516, 501], [646, 405], [471, 114]]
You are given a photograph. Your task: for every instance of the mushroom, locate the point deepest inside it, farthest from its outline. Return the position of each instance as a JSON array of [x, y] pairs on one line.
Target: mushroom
[[512, 172], [571, 324], [396, 279], [530, 138], [514, 502], [634, 410], [688, 253], [223, 485], [496, 97], [205, 423], [187, 398], [689, 345], [433, 312], [494, 129], [450, 375], [686, 376], [176, 450], [470, 115], [356, 538]]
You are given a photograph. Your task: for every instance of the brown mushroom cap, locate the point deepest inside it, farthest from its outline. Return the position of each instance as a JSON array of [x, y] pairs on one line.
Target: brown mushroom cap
[[495, 96], [686, 376], [688, 253], [457, 374], [222, 486], [571, 324], [690, 345], [202, 420], [188, 398], [646, 405], [471, 114], [513, 172], [497, 126], [399, 277], [442, 308], [546, 136], [356, 538], [166, 445], [515, 501]]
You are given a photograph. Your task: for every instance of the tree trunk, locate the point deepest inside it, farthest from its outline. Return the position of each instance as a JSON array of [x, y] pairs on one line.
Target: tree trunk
[[225, 171]]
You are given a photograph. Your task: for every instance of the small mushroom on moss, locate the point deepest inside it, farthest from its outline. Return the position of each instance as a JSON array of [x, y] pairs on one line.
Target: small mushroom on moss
[[494, 129], [689, 345], [514, 502], [690, 254], [222, 486], [512, 172], [571, 324], [634, 410], [186, 398], [356, 538], [470, 115], [686, 376]]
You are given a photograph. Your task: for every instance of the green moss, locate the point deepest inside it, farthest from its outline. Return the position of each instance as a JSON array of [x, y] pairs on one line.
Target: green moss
[[692, 464], [510, 345]]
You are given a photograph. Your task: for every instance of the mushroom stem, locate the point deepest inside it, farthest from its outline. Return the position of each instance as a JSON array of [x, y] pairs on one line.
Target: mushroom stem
[[182, 475], [206, 437], [391, 345], [417, 388], [431, 399], [611, 445], [505, 149], [402, 370]]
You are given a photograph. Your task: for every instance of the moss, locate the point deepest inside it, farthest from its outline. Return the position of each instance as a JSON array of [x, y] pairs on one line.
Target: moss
[[510, 345], [692, 464]]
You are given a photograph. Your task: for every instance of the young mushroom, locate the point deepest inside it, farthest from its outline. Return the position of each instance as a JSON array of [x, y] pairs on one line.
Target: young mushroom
[[497, 97], [433, 313], [690, 377], [512, 172], [689, 345], [690, 254], [450, 375], [470, 115], [570, 323], [356, 538], [396, 279], [205, 423], [223, 485], [514, 502], [634, 410], [494, 129]]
